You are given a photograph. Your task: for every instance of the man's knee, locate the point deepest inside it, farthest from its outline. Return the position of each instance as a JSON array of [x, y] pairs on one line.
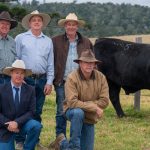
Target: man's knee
[[34, 125], [77, 113]]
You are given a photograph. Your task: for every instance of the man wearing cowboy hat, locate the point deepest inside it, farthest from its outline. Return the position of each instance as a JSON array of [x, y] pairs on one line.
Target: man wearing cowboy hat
[[17, 107], [87, 94], [7, 44], [36, 50], [67, 47]]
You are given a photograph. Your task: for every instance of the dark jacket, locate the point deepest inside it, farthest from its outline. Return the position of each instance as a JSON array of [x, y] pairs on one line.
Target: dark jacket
[[61, 47], [7, 108]]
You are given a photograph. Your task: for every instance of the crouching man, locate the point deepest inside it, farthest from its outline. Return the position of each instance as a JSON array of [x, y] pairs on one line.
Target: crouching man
[[17, 107], [87, 95]]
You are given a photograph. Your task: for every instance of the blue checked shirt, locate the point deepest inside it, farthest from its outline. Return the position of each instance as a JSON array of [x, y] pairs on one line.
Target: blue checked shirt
[[37, 53], [7, 52]]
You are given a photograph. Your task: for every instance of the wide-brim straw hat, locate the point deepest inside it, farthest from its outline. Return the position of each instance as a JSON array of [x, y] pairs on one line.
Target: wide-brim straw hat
[[87, 56], [4, 15], [71, 17], [25, 21], [18, 64]]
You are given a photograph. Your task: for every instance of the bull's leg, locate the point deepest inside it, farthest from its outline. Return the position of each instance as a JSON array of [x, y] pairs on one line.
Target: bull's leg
[[114, 91]]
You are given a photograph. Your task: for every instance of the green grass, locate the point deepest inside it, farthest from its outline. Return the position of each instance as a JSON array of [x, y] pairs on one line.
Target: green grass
[[111, 133]]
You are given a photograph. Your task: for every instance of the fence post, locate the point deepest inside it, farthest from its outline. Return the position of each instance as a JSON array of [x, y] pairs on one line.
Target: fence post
[[138, 93]]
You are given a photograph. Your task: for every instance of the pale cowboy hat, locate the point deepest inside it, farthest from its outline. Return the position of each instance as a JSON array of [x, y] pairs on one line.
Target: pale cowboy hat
[[18, 64], [71, 17], [4, 15], [87, 56], [25, 21]]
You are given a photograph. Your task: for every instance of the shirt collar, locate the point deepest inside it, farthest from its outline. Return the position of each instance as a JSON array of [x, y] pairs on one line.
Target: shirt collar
[[12, 85], [4, 38], [92, 77], [76, 38], [30, 33]]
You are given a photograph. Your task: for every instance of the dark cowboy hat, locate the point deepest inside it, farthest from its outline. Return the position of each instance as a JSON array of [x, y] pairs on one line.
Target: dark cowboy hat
[[87, 56], [4, 15]]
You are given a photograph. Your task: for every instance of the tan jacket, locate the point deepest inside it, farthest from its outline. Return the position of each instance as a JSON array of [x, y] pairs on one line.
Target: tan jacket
[[86, 94]]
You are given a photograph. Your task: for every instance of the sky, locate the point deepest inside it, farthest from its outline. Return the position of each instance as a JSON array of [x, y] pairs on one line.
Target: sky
[[138, 2]]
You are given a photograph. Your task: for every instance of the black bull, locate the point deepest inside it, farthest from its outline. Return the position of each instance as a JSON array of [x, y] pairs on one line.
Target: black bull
[[125, 64]]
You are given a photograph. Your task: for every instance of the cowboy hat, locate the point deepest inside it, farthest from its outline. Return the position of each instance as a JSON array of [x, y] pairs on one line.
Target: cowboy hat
[[25, 21], [18, 64], [87, 56], [4, 15], [71, 17]]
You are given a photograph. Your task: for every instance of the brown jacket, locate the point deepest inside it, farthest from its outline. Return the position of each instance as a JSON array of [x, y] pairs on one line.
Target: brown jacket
[[61, 47], [86, 94]]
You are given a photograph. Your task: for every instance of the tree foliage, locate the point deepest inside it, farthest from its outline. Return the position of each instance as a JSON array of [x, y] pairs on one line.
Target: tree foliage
[[101, 19]]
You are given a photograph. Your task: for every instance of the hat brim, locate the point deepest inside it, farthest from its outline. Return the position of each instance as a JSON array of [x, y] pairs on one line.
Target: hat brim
[[13, 22], [62, 22], [87, 60], [8, 70], [26, 20]]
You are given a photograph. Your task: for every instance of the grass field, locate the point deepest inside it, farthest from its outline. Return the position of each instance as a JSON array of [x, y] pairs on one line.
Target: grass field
[[111, 133]]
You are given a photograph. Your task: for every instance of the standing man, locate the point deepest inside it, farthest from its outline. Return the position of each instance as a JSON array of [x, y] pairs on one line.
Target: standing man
[[36, 50], [87, 95], [67, 47], [7, 44], [17, 107]]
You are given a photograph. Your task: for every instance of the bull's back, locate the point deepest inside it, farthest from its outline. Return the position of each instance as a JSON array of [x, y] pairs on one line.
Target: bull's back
[[125, 63]]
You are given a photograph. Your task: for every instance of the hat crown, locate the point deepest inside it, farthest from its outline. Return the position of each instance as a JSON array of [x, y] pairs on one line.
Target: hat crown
[[71, 16], [36, 12], [88, 54], [5, 15], [19, 64]]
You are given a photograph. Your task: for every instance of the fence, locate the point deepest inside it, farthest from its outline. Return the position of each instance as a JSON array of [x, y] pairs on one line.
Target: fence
[[138, 93]]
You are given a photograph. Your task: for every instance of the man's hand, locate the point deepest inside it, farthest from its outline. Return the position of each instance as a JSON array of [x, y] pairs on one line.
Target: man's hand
[[12, 126], [47, 89], [99, 112]]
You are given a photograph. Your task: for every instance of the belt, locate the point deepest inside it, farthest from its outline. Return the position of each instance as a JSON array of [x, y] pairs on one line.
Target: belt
[[37, 76], [62, 83]]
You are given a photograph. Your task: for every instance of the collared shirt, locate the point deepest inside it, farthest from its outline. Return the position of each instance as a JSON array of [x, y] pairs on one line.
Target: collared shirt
[[37, 53], [14, 91], [72, 54], [7, 52]]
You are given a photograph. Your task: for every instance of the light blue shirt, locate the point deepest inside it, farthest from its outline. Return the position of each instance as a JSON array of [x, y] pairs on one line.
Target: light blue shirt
[[14, 91], [37, 53], [72, 54]]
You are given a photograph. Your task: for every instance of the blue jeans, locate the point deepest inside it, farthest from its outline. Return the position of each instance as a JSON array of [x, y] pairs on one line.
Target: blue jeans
[[40, 99], [40, 96], [81, 134], [60, 119], [32, 129]]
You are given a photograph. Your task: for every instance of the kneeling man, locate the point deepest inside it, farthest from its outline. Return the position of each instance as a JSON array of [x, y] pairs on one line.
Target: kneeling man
[[87, 95], [17, 107]]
